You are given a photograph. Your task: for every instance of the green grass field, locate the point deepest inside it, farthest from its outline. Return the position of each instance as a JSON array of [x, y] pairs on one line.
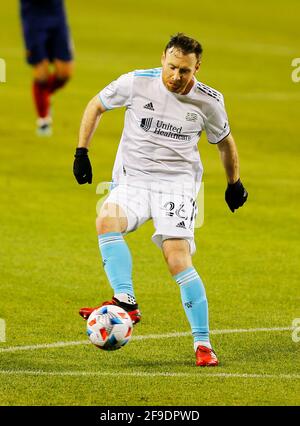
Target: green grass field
[[249, 261]]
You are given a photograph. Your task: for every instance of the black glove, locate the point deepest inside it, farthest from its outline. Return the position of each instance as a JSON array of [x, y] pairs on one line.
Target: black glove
[[235, 195], [82, 168]]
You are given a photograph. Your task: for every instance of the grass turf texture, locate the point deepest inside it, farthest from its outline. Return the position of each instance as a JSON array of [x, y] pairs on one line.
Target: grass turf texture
[[50, 264]]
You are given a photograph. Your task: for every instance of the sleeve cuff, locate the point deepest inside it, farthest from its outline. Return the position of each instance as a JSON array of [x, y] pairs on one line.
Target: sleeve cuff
[[104, 104], [222, 138]]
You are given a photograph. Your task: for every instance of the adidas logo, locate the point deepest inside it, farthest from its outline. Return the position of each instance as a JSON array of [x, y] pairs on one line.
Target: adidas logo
[[181, 225], [149, 106]]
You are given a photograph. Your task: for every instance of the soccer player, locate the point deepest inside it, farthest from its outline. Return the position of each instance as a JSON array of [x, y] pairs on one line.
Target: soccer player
[[157, 174], [48, 50]]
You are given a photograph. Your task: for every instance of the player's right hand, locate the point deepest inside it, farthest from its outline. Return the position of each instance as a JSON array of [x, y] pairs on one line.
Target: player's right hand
[[82, 167], [235, 195]]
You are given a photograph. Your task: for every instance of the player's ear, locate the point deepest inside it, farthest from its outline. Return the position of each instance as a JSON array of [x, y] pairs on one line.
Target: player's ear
[[163, 58], [197, 66]]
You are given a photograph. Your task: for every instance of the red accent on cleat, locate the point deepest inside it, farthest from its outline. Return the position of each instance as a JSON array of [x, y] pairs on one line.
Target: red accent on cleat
[[86, 312], [134, 315], [206, 357]]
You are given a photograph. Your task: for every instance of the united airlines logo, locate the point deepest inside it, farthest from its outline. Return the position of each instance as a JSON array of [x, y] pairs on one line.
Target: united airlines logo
[[146, 123]]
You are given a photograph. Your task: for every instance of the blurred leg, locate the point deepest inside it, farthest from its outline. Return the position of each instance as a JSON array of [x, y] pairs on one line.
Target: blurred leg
[[39, 88], [63, 72]]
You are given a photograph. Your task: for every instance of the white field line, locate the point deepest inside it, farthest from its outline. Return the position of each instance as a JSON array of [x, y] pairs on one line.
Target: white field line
[[149, 336], [199, 374]]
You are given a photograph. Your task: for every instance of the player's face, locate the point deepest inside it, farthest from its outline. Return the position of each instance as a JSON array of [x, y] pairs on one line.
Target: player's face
[[178, 70]]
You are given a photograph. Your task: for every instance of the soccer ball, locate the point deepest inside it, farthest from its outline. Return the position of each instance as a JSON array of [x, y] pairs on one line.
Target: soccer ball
[[109, 327]]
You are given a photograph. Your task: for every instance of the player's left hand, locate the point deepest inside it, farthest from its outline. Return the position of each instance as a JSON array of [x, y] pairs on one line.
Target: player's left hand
[[235, 195]]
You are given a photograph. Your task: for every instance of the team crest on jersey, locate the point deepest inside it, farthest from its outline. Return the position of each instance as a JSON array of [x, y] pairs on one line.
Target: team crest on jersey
[[191, 116], [146, 123]]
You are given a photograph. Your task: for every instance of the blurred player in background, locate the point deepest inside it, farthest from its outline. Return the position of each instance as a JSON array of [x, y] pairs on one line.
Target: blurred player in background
[[48, 51], [157, 175]]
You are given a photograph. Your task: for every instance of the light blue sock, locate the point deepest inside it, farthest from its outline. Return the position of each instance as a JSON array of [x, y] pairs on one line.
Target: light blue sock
[[194, 301], [117, 262]]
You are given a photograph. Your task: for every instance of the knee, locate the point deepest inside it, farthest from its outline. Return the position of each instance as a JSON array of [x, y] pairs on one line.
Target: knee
[[178, 261], [110, 221], [41, 72], [64, 71], [105, 224], [177, 255]]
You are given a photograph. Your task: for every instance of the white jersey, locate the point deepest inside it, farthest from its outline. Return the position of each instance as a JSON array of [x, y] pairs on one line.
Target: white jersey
[[162, 128]]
